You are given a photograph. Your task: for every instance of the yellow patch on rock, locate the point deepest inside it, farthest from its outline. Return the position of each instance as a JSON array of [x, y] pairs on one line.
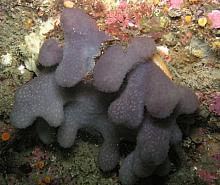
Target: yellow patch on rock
[[68, 4]]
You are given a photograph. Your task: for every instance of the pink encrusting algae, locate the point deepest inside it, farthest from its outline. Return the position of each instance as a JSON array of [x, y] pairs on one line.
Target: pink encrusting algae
[[214, 17], [215, 105], [176, 3]]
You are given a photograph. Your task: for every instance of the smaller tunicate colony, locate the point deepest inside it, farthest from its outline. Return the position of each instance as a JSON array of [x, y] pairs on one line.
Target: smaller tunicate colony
[[128, 95]]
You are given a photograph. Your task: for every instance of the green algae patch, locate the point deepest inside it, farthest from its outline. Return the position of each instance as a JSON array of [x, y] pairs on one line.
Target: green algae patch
[[75, 166], [18, 23], [185, 176], [12, 31], [82, 165], [10, 79]]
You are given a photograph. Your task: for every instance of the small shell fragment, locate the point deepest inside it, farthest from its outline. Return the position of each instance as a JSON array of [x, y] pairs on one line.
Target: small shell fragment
[[160, 63]]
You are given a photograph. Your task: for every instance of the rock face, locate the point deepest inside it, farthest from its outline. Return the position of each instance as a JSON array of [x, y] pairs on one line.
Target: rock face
[[145, 101]]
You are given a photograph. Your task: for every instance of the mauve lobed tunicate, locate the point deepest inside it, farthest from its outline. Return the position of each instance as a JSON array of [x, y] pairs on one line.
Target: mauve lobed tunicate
[[82, 43], [148, 86], [143, 108], [56, 53], [188, 102], [119, 62], [128, 109], [88, 110], [41, 97], [151, 153], [161, 94], [45, 132]]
